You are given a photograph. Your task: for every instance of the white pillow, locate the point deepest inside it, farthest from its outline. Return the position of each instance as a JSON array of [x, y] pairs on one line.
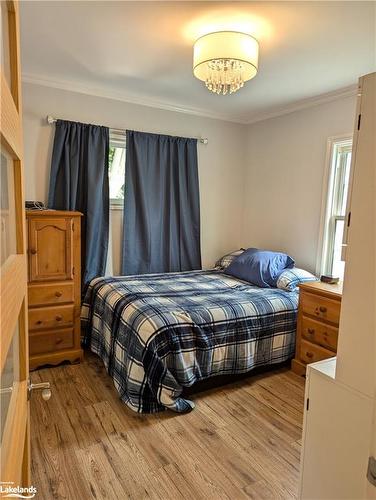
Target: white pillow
[[289, 279]]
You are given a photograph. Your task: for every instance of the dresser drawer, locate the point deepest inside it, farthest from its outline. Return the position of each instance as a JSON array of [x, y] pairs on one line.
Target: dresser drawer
[[50, 317], [319, 333], [321, 307], [51, 341], [54, 293], [309, 353]]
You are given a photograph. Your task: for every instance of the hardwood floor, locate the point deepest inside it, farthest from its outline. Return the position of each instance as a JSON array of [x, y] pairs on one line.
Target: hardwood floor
[[241, 441]]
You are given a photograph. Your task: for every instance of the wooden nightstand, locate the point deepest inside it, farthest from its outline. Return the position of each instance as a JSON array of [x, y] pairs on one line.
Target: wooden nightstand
[[318, 320]]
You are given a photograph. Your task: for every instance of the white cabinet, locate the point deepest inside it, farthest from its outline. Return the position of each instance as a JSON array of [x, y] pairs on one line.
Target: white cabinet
[[336, 438]]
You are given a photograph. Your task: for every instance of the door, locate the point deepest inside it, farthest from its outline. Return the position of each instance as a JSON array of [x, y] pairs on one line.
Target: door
[[50, 248], [342, 399], [14, 432], [371, 473]]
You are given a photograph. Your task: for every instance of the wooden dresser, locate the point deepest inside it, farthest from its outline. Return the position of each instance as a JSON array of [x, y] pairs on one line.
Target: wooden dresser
[[54, 286], [318, 320]]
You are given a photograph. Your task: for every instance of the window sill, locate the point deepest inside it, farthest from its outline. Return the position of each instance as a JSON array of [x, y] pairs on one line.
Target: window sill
[[116, 207]]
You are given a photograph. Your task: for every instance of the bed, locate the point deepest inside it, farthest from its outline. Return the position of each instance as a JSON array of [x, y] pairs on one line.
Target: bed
[[159, 333]]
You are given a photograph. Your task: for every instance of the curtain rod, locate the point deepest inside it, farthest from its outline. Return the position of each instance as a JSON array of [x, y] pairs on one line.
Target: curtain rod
[[51, 120]]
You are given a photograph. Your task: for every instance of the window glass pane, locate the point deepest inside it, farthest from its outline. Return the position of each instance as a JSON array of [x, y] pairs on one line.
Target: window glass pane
[[338, 264], [7, 208], [116, 170], [340, 180], [347, 162], [5, 54], [338, 187], [9, 377]]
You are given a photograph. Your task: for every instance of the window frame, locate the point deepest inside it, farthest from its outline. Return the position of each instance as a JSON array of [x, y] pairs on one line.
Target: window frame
[[117, 140], [330, 212], [116, 203]]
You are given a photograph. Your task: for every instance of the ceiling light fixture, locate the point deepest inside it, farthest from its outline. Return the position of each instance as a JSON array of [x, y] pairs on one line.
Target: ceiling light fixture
[[224, 60]]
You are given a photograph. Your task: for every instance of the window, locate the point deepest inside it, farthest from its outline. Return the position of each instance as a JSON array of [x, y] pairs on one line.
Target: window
[[116, 169], [338, 185]]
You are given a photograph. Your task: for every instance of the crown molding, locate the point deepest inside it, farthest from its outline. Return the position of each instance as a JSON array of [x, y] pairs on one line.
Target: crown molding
[[309, 102], [120, 96]]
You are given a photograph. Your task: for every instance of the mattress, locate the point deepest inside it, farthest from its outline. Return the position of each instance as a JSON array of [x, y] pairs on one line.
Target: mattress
[[158, 333]]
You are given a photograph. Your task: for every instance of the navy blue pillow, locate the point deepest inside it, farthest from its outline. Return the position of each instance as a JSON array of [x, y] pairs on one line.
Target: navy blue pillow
[[260, 267]]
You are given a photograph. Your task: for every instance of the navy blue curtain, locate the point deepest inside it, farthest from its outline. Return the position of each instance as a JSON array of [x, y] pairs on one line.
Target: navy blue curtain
[[162, 205], [79, 181]]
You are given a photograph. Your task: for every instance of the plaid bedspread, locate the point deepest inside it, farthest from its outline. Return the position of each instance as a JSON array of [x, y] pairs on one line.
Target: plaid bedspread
[[158, 333]]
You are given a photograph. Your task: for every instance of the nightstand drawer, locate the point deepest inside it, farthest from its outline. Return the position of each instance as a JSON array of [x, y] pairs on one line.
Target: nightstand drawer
[[40, 343], [321, 307], [310, 353], [50, 317], [319, 333], [47, 293]]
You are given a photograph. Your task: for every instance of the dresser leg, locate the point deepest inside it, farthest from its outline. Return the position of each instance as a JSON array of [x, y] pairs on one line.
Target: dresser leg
[[298, 367]]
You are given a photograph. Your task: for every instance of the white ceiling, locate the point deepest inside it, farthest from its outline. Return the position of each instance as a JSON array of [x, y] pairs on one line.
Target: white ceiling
[[142, 51]]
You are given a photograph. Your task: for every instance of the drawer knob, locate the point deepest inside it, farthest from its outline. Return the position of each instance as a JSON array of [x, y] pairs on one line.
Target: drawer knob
[[320, 310], [311, 331], [33, 251], [58, 317], [58, 294], [309, 354], [39, 322], [59, 340]]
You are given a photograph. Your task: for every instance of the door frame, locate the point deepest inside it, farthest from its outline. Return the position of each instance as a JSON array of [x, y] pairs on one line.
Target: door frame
[[15, 445]]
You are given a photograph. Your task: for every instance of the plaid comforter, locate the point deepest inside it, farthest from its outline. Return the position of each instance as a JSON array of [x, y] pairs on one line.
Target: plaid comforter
[[157, 333]]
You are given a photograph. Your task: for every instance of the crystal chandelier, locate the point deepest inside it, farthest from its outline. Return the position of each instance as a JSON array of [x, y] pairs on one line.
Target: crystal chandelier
[[224, 60]]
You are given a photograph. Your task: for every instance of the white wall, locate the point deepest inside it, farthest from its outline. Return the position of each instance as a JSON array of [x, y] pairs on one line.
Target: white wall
[[261, 185], [284, 178], [221, 162]]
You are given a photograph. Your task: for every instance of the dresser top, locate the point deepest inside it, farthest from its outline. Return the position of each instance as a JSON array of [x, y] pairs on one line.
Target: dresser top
[[318, 287], [53, 213]]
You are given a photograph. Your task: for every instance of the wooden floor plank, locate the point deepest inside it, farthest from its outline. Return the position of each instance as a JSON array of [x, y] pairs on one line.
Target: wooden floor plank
[[242, 440], [264, 490]]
